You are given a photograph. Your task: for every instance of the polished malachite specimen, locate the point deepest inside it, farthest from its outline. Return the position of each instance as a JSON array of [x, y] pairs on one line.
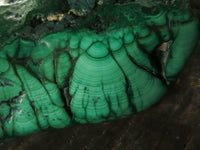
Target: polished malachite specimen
[[117, 61]]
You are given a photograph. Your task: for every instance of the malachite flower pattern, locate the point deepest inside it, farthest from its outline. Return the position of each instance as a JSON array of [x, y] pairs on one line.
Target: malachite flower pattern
[[117, 61]]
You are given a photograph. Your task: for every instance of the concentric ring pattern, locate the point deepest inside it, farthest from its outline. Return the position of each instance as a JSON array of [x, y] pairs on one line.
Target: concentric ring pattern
[[89, 76]]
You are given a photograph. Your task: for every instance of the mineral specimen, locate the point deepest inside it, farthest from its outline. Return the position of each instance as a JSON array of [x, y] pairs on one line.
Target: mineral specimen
[[115, 61]]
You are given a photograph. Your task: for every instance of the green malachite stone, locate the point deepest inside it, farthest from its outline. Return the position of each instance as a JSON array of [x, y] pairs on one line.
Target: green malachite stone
[[117, 61]]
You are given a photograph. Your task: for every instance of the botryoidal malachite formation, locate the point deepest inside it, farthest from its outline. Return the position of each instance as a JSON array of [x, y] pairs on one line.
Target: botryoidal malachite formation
[[112, 64]]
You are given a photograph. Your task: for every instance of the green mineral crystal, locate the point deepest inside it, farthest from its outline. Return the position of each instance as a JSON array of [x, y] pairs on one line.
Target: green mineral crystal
[[117, 60]]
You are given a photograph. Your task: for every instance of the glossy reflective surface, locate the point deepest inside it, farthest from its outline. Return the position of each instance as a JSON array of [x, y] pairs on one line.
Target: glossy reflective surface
[[109, 65]]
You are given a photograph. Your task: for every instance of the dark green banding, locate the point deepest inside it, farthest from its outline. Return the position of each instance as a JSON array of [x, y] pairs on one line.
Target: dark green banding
[[186, 37], [116, 61], [98, 50]]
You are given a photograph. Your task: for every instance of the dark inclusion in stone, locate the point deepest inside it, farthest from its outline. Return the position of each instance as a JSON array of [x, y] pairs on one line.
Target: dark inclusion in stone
[[116, 62]]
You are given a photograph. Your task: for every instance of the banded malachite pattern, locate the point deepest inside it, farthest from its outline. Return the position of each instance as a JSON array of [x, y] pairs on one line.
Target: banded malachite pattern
[[111, 64]]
